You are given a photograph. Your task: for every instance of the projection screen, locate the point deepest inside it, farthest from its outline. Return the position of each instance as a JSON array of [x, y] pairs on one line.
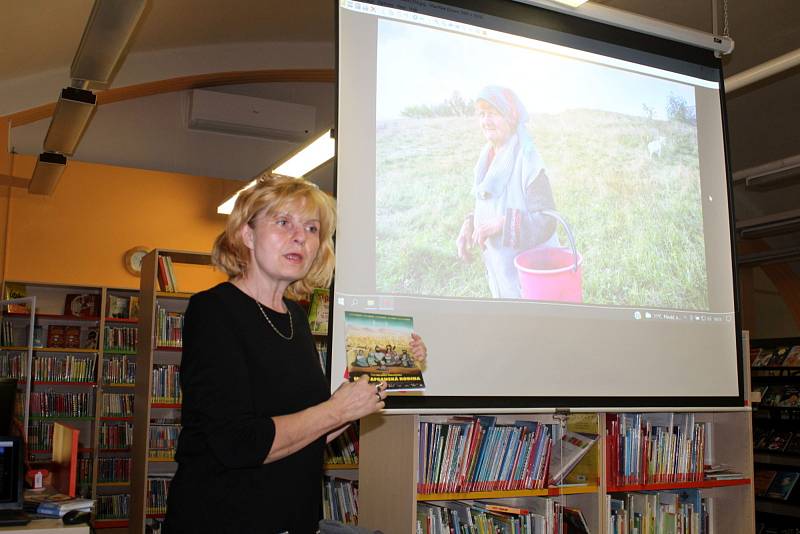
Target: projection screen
[[547, 197]]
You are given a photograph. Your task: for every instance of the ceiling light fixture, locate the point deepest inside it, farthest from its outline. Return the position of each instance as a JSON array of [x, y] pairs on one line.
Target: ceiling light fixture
[[571, 3], [73, 112], [47, 172], [105, 41], [308, 157], [302, 162]]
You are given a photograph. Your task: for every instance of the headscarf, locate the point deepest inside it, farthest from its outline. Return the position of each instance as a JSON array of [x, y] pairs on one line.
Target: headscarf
[[510, 107]]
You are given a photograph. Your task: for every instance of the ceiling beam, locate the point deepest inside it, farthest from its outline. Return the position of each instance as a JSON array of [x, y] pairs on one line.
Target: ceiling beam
[[182, 83], [14, 181], [784, 222]]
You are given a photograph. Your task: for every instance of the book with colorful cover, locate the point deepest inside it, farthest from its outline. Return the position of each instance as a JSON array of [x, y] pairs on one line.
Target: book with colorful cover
[[133, 307], [318, 312], [118, 307], [763, 358], [781, 487], [380, 346], [82, 305], [793, 358], [16, 291], [778, 441], [779, 357], [567, 452], [790, 397]]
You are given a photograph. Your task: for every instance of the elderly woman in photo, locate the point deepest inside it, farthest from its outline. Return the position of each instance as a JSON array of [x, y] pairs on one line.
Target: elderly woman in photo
[[257, 409], [511, 189]]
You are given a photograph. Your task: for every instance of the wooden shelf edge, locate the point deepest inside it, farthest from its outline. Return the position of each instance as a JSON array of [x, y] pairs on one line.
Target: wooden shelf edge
[[337, 467], [679, 485], [544, 492]]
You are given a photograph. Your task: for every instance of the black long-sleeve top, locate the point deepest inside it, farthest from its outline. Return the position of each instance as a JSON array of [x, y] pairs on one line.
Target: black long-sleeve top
[[236, 373]]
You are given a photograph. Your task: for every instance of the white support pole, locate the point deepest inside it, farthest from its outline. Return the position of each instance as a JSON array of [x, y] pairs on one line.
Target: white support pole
[[764, 70]]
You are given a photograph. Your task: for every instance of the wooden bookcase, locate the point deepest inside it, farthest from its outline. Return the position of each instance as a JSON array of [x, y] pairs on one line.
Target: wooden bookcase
[[51, 301], [389, 453], [149, 354]]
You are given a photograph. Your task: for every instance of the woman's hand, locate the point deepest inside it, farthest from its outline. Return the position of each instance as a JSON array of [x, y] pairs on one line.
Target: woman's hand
[[418, 349], [487, 230], [353, 400], [464, 240]]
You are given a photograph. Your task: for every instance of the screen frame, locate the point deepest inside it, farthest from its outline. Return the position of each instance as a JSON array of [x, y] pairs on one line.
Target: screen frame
[[629, 39]]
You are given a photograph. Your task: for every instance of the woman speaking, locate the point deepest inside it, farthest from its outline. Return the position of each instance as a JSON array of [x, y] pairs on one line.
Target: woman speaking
[[257, 409]]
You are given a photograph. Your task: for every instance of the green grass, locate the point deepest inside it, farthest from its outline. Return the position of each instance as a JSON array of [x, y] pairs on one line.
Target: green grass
[[637, 220]]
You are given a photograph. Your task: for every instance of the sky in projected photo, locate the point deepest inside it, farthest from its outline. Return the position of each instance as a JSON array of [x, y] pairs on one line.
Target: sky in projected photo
[[619, 149], [427, 65]]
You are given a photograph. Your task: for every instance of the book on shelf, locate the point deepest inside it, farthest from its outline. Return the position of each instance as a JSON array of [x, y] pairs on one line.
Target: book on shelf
[[14, 290], [567, 452], [779, 357], [468, 454], [380, 346], [38, 336], [318, 311], [654, 448], [721, 472], [665, 512], [82, 305], [57, 504], [56, 334], [782, 485], [72, 337], [133, 307], [763, 358], [762, 479], [92, 340], [166, 275], [778, 440], [793, 447], [793, 358], [541, 514], [118, 307]]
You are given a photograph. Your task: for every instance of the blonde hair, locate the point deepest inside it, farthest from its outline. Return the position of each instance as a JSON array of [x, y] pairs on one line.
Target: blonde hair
[[269, 195]]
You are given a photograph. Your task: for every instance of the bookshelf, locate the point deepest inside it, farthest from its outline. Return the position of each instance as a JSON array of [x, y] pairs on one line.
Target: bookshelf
[[157, 402], [390, 460], [73, 384], [775, 378]]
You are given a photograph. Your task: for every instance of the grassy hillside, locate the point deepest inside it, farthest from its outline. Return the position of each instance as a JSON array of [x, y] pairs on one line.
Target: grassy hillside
[[635, 212]]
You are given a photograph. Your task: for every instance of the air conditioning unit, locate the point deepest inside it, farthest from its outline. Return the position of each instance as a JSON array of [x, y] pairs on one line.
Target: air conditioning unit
[[246, 115]]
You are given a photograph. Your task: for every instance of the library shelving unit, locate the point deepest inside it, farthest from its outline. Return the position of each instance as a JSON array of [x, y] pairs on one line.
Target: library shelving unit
[[390, 456], [157, 399], [112, 441], [59, 373], [71, 383], [775, 379]]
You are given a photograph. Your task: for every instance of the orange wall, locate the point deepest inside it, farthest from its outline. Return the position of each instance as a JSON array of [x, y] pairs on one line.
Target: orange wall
[[80, 234]]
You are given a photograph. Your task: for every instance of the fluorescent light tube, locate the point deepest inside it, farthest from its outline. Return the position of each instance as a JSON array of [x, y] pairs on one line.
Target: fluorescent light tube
[[301, 163], [309, 157], [227, 207]]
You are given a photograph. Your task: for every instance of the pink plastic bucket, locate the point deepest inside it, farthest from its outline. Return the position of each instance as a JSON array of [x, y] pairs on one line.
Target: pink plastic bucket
[[551, 273]]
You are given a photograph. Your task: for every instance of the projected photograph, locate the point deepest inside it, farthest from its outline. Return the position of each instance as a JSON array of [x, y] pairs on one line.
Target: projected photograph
[[506, 172]]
